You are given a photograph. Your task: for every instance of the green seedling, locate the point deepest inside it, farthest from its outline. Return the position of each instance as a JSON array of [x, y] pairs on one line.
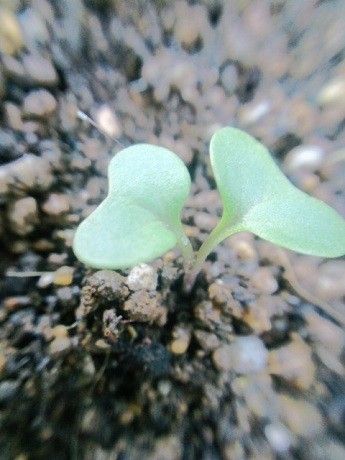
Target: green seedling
[[258, 198], [148, 185], [140, 219]]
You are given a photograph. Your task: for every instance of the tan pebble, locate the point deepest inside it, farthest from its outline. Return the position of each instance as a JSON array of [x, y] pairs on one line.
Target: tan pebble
[[56, 204], [3, 361], [206, 313], [301, 417], [257, 318], [43, 245], [181, 341], [264, 281], [12, 303], [294, 363], [244, 250], [60, 331], [11, 38], [221, 358], [178, 346], [102, 344], [207, 340], [59, 345], [41, 70], [12, 114], [23, 215], [205, 221], [191, 232], [325, 332], [39, 103], [63, 276], [169, 257]]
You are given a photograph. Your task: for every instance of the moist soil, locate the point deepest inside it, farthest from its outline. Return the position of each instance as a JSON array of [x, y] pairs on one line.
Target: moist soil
[[127, 365]]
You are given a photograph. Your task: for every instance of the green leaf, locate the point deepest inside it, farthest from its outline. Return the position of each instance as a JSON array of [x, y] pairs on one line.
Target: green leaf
[[257, 197], [139, 220]]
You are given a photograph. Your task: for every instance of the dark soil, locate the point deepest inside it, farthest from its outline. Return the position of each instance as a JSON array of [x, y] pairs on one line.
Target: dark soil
[[125, 365]]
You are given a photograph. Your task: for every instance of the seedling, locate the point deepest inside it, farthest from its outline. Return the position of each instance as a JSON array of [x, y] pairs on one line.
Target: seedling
[[140, 219], [258, 198]]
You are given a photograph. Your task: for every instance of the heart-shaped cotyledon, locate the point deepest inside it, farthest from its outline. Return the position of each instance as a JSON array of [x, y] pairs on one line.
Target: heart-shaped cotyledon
[[258, 198], [140, 219]]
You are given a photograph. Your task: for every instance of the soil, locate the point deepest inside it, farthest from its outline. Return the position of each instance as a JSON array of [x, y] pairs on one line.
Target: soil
[[125, 365]]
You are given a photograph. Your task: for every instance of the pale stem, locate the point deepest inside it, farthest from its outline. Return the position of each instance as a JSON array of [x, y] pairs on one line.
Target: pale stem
[[222, 231]]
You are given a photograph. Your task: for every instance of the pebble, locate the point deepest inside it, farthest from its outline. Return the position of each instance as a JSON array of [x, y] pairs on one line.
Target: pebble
[[229, 78], [59, 345], [207, 314], [332, 93], [279, 437], [207, 340], [205, 221], [8, 389], [325, 332], [264, 281], [29, 171], [13, 116], [11, 38], [309, 157], [23, 215], [63, 276], [294, 363], [39, 103], [243, 246], [15, 302], [2, 85], [59, 331], [181, 340], [34, 27], [244, 356], [40, 70], [45, 280], [56, 204], [142, 276], [251, 113], [3, 361], [301, 417], [13, 69], [108, 121]]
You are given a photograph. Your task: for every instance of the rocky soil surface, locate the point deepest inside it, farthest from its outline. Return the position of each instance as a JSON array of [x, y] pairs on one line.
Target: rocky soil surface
[[125, 365]]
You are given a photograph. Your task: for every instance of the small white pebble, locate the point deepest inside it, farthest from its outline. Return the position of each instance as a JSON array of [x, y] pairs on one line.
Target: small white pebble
[[280, 438], [142, 277]]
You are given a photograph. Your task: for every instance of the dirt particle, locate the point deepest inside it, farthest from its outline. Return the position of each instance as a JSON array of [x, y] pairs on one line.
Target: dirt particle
[[145, 307]]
